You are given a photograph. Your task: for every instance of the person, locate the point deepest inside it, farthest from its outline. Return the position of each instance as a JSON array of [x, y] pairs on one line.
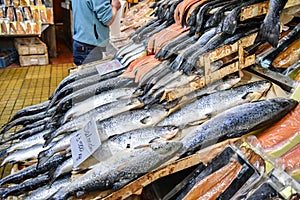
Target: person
[[91, 21]]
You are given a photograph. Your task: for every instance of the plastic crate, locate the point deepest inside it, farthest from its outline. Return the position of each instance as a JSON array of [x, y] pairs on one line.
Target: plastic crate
[[8, 57]]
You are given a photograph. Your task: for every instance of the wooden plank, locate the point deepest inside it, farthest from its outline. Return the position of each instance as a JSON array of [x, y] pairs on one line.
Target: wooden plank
[[261, 9], [173, 94]]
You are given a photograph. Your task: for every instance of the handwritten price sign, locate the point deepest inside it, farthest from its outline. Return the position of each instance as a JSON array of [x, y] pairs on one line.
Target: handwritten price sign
[[85, 143]]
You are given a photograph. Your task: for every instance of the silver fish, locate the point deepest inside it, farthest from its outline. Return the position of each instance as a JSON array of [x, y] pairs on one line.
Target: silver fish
[[98, 100], [46, 191], [121, 169], [134, 139], [99, 113], [209, 105], [62, 169], [237, 121], [130, 120], [23, 154], [32, 170]]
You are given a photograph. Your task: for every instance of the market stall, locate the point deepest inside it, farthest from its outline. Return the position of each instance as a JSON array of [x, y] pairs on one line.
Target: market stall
[[199, 104]]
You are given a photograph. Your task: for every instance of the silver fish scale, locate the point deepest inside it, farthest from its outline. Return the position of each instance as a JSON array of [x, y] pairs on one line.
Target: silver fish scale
[[129, 120], [205, 106], [236, 121]]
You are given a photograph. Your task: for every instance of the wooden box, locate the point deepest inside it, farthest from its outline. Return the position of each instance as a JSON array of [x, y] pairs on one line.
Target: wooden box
[[30, 46], [34, 60]]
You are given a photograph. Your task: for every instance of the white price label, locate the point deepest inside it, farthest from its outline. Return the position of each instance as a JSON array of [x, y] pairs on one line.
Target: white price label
[[108, 67], [85, 143]]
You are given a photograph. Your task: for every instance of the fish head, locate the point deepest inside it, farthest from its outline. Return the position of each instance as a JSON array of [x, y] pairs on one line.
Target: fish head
[[166, 148], [258, 89], [169, 132], [284, 103]]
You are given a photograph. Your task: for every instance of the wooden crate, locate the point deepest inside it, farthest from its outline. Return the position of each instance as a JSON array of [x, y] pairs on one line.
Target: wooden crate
[[34, 60], [209, 77], [30, 46]]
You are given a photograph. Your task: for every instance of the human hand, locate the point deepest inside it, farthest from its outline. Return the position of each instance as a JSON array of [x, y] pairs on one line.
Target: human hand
[[116, 4]]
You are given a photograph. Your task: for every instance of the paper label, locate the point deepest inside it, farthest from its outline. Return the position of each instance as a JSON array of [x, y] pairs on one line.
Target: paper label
[[108, 67], [85, 143]]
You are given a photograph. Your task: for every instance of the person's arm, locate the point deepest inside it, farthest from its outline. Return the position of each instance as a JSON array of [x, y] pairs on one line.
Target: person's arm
[[116, 5]]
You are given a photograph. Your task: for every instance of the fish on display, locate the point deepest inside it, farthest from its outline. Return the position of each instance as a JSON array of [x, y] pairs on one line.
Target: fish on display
[[134, 139], [32, 170], [237, 121], [99, 113], [80, 95], [62, 169], [82, 83], [47, 191], [22, 155], [25, 186], [270, 28], [116, 172], [130, 120], [204, 107], [95, 101], [30, 110]]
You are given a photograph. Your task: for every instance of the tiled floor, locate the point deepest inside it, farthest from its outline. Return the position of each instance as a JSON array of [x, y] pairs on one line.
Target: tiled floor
[[24, 86]]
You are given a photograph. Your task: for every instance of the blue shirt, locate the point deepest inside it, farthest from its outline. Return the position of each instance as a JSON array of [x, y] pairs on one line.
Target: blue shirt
[[90, 18]]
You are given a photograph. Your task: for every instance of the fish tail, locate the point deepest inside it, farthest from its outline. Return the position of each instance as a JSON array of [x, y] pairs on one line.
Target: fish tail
[[269, 32], [3, 153], [43, 157]]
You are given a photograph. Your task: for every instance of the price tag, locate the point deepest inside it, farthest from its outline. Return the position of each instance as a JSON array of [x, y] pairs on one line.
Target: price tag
[[108, 67], [85, 143]]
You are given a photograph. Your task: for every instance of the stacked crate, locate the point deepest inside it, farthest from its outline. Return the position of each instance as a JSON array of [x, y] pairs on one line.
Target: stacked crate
[[32, 51]]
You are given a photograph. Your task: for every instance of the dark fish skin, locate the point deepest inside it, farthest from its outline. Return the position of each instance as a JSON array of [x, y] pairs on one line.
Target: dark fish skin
[[205, 37], [214, 43], [86, 72], [27, 120], [24, 134], [182, 45], [216, 18], [193, 17], [237, 121], [138, 30], [171, 44], [265, 191], [139, 37], [121, 171], [200, 15], [84, 93], [26, 186], [33, 170], [270, 29], [231, 19], [82, 83], [30, 110]]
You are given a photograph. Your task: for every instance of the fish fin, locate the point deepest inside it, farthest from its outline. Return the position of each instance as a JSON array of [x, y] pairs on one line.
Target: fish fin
[[156, 139], [142, 146], [194, 123], [146, 120], [269, 32], [43, 157], [118, 185], [3, 153]]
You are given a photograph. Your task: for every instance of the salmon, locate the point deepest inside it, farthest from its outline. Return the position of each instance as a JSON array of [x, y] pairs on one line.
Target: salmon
[[136, 63], [291, 160], [281, 132], [213, 185], [289, 56]]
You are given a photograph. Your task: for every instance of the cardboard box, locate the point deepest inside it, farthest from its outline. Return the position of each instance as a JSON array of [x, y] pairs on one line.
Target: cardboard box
[[30, 46], [34, 60]]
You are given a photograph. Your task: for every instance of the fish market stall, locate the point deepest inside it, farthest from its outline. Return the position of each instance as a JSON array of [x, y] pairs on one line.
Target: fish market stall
[[193, 107]]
